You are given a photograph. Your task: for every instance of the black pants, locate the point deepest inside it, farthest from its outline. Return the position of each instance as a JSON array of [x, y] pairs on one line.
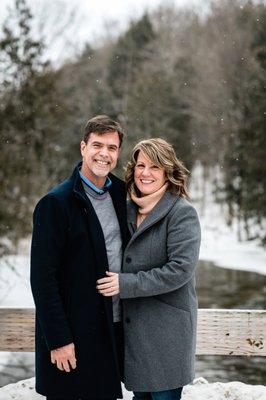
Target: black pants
[[119, 337]]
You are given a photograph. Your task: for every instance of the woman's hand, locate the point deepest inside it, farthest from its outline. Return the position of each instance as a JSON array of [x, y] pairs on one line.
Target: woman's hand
[[108, 286]]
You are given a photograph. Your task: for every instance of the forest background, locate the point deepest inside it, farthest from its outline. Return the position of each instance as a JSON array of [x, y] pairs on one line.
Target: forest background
[[196, 79]]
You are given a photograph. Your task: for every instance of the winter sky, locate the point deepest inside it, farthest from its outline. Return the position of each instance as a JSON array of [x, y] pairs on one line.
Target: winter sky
[[74, 22]]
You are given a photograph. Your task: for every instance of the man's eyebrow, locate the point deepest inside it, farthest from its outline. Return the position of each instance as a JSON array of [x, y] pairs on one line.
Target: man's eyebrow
[[102, 144], [112, 145]]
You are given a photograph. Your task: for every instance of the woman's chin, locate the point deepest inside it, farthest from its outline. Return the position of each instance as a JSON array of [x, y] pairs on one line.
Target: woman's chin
[[146, 191]]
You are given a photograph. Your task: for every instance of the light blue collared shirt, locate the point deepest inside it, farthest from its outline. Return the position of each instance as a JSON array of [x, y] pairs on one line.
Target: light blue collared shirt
[[104, 189]]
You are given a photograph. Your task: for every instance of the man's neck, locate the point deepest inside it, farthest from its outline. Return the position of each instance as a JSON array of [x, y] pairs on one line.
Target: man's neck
[[96, 180]]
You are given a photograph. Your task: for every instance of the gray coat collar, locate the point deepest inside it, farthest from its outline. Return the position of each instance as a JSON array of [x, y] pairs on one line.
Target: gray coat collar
[[158, 212]]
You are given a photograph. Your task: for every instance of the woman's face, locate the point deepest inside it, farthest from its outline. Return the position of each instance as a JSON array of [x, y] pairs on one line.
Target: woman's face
[[148, 177]]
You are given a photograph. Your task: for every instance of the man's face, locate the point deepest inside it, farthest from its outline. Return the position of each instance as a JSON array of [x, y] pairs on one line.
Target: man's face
[[100, 156]]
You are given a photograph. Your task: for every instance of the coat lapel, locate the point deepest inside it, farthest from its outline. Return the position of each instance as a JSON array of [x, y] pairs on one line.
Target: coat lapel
[[161, 209], [118, 195], [132, 211], [94, 226]]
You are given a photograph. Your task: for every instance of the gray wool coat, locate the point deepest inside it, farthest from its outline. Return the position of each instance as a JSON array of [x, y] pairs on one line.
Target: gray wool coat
[[157, 285]]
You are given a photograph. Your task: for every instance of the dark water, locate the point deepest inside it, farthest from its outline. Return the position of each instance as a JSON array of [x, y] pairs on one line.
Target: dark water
[[217, 288]]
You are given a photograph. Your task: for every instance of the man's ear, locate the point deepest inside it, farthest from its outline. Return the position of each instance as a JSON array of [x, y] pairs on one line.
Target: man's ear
[[82, 147]]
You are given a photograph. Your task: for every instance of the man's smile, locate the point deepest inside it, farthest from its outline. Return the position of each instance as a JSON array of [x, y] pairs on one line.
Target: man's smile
[[101, 162]]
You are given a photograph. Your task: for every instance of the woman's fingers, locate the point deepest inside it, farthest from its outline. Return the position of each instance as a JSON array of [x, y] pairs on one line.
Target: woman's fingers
[[113, 293], [105, 280], [109, 290], [105, 285], [108, 286]]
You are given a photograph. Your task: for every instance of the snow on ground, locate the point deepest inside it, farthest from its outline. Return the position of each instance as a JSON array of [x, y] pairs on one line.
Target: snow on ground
[[199, 390], [219, 242], [220, 246], [14, 278]]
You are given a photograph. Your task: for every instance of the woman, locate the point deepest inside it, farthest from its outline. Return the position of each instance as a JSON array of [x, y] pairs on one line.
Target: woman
[[157, 284]]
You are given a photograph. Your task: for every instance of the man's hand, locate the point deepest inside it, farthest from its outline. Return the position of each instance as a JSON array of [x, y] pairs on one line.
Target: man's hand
[[64, 357], [108, 286]]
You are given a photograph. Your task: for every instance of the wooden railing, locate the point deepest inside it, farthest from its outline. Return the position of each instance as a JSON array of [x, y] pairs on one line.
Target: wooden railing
[[220, 332]]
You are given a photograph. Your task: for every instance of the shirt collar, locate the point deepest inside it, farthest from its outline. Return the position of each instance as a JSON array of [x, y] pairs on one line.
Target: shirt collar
[[103, 190]]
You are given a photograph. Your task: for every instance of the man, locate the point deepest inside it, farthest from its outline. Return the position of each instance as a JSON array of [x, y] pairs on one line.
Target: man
[[79, 233]]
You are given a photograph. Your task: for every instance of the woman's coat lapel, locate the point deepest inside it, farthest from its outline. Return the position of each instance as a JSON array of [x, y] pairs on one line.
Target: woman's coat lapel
[[158, 212]]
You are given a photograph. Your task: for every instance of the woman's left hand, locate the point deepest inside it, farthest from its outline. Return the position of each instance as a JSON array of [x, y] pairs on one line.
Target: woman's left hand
[[108, 286]]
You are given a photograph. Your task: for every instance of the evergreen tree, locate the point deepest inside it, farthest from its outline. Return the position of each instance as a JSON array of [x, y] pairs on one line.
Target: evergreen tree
[[129, 54], [245, 160], [30, 117]]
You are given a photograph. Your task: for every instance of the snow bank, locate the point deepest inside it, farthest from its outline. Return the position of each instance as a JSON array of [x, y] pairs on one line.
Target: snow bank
[[220, 242], [199, 390], [15, 282], [220, 245]]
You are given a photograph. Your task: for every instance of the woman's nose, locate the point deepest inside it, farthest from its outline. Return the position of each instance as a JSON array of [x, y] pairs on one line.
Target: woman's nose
[[146, 171]]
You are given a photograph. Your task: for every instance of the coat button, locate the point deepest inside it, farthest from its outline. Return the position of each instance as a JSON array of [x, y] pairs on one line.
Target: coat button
[[127, 320], [128, 260]]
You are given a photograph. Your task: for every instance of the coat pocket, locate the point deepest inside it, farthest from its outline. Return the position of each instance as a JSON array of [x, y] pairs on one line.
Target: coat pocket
[[159, 299]]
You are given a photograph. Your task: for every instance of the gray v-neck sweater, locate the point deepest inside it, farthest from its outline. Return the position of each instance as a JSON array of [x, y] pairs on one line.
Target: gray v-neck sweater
[[104, 208]]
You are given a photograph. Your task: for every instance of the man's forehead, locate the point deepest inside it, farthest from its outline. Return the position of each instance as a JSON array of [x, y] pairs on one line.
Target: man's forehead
[[106, 137]]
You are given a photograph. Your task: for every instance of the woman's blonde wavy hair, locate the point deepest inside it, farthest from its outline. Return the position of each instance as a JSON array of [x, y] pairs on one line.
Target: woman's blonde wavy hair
[[162, 154]]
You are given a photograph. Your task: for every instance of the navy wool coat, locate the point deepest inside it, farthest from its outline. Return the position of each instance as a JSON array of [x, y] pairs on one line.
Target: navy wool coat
[[68, 255], [159, 298]]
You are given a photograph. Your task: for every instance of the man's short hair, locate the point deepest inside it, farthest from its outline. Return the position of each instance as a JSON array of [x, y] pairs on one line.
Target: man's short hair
[[102, 124]]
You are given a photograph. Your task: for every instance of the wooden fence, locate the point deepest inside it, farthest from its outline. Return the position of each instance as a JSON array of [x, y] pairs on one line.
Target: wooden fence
[[220, 332]]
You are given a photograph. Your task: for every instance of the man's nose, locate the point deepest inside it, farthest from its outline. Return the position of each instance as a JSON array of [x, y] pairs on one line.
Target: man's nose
[[104, 152]]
